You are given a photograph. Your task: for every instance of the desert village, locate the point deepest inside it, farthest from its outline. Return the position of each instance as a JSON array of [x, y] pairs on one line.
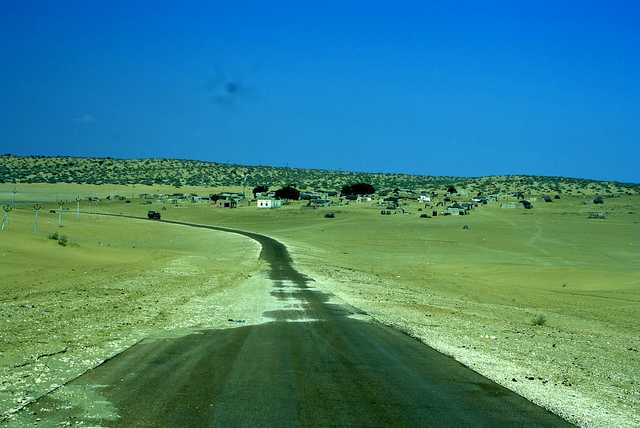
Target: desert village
[[428, 203]]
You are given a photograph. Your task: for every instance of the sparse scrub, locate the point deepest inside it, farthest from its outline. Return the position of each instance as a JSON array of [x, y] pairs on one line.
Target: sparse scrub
[[172, 172], [53, 236], [63, 240], [539, 320]]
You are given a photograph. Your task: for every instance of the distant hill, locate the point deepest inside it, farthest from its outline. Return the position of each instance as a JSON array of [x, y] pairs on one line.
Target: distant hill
[[41, 169]]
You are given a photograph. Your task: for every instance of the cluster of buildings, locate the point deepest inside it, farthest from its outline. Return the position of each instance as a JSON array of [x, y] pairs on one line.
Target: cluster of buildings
[[390, 201], [224, 199]]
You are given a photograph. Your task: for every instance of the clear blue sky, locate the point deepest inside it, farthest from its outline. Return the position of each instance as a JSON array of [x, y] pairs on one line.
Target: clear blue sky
[[450, 88]]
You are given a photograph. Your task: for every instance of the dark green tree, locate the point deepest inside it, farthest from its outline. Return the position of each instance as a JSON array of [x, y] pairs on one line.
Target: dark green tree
[[358, 189], [260, 189], [288, 192]]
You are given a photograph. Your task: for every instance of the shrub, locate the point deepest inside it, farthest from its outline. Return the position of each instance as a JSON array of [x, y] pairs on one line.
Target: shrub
[[424, 216], [63, 240], [53, 236], [539, 320], [330, 215], [598, 200]]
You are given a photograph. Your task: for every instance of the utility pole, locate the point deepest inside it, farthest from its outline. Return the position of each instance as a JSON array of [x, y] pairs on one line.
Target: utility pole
[[93, 200], [78, 207], [36, 211], [60, 208], [5, 217], [244, 186], [13, 196]]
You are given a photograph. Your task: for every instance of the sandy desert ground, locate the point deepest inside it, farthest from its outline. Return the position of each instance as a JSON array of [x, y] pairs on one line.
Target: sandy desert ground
[[470, 293]]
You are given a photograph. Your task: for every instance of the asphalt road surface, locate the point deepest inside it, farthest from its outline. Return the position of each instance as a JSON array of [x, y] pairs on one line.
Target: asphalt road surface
[[313, 365]]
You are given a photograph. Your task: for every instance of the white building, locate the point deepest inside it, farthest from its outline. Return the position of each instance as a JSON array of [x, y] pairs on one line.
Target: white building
[[268, 203], [425, 198]]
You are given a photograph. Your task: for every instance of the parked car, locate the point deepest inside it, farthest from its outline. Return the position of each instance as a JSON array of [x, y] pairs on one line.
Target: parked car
[[153, 215]]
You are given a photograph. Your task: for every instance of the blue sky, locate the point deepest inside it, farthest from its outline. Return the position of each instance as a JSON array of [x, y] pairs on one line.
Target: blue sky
[[449, 88]]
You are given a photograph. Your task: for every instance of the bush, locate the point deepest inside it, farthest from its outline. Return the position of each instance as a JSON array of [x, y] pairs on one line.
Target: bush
[[598, 200], [424, 216], [526, 204], [539, 320], [53, 236], [63, 240], [330, 215]]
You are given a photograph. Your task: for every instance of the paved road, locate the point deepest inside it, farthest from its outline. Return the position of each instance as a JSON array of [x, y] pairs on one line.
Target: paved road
[[314, 365]]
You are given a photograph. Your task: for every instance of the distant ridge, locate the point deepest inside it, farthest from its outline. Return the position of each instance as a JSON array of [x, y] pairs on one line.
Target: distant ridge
[[175, 172]]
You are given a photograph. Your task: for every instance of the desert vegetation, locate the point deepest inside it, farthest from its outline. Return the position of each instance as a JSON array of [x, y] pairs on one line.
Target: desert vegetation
[[184, 173]]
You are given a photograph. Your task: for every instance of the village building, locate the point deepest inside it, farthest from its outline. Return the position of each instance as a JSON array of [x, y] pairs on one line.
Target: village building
[[480, 200], [456, 209], [198, 198], [227, 203], [424, 198], [227, 199], [237, 196], [268, 203], [307, 196]]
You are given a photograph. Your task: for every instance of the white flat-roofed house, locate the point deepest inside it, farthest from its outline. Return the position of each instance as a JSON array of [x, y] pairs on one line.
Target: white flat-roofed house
[[424, 198], [268, 203]]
